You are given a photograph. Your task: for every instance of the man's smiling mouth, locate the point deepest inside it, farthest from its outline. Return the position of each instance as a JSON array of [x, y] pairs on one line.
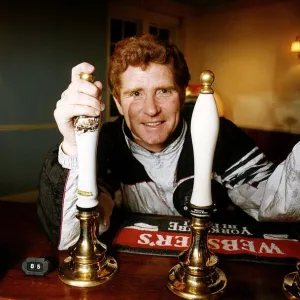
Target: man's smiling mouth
[[153, 124]]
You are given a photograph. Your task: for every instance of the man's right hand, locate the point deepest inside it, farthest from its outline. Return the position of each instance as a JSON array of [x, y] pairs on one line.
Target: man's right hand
[[81, 98]]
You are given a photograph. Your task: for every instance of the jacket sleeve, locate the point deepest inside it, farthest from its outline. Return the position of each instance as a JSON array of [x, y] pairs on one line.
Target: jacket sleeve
[[263, 190], [51, 192], [58, 192], [57, 200]]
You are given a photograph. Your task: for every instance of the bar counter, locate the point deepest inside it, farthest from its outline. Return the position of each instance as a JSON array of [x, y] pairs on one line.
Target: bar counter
[[138, 277]]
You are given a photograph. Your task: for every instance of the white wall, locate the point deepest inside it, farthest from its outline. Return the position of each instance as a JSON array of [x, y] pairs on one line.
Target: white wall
[[248, 49]]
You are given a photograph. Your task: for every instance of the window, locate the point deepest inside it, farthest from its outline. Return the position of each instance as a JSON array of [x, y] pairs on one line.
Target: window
[[119, 29], [162, 33]]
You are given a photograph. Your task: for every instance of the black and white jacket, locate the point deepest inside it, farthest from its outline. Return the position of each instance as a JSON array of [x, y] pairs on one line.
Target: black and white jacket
[[264, 191]]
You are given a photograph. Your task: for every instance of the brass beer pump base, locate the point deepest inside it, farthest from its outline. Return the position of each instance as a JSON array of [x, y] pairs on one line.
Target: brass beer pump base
[[291, 284], [290, 289], [189, 286], [196, 276], [87, 275], [87, 264]]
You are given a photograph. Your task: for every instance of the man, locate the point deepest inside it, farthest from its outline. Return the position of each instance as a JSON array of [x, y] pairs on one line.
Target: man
[[145, 157]]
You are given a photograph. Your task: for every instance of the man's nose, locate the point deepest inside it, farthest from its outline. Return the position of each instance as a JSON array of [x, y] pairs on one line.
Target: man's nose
[[151, 106]]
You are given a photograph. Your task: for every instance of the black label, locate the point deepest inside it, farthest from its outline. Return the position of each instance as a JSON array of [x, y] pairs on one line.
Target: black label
[[200, 212]]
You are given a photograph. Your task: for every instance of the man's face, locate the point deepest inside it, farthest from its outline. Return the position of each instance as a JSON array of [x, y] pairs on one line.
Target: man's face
[[150, 104]]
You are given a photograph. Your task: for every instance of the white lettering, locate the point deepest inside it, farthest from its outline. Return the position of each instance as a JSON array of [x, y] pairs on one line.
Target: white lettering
[[144, 238], [173, 226], [164, 241], [245, 231], [265, 248], [213, 244], [181, 241], [184, 227], [229, 226], [226, 231], [230, 245], [214, 230], [247, 245]]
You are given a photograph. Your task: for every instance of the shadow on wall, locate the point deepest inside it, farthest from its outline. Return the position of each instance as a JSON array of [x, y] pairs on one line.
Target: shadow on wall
[[273, 110], [287, 109]]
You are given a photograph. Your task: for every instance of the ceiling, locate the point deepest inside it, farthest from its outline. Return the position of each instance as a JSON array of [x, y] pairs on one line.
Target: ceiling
[[207, 3]]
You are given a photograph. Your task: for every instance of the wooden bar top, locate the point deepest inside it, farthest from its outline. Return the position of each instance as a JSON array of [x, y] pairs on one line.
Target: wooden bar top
[[138, 277]]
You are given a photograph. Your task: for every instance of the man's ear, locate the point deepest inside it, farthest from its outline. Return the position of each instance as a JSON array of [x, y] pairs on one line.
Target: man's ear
[[182, 102], [119, 106], [182, 98]]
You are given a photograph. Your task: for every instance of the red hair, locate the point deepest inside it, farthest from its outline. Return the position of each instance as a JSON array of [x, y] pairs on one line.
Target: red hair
[[141, 51]]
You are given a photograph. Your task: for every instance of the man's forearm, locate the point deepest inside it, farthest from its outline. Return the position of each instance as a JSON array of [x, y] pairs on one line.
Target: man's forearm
[[276, 198]]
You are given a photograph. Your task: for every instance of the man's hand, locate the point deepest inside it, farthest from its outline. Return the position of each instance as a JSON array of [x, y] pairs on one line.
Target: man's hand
[[106, 205], [82, 98]]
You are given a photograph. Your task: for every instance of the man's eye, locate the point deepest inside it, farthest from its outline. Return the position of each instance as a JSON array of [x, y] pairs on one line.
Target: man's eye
[[135, 94], [164, 92]]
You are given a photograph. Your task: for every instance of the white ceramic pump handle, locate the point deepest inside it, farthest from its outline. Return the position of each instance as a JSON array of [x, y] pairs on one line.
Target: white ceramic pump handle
[[204, 131], [86, 134]]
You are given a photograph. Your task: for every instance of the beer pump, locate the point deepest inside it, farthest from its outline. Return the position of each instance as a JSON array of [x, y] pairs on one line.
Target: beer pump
[[87, 264], [196, 276]]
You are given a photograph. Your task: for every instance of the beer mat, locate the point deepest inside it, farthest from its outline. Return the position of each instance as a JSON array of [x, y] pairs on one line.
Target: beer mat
[[275, 243]]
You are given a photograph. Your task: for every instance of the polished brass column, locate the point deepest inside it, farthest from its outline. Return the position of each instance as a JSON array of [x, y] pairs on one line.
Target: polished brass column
[[197, 276], [291, 284], [87, 264]]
